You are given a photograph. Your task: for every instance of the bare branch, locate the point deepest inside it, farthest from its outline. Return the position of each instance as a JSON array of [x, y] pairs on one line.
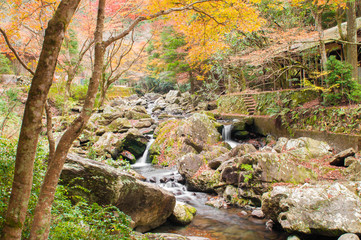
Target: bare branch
[[15, 52], [211, 17]]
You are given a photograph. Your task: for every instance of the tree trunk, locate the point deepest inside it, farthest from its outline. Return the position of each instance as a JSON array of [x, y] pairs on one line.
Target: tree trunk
[[31, 124], [323, 53], [351, 46], [191, 80], [71, 76], [42, 215], [103, 93], [322, 43]]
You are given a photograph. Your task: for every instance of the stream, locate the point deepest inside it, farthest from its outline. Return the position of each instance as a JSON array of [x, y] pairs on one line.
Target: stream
[[209, 222]]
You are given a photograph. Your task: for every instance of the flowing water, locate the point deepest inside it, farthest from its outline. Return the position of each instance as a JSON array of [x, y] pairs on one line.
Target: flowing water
[[142, 161], [226, 135], [220, 224]]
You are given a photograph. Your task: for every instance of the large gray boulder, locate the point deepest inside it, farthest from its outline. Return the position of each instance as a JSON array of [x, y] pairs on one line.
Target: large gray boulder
[[194, 168], [172, 96], [305, 148], [175, 138], [114, 143], [148, 205], [255, 172], [328, 209]]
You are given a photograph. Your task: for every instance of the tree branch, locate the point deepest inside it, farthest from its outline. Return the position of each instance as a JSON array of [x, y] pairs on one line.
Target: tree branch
[[142, 18], [15, 52]]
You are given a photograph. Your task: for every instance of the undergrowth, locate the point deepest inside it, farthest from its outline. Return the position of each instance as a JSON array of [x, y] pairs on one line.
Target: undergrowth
[[80, 221]]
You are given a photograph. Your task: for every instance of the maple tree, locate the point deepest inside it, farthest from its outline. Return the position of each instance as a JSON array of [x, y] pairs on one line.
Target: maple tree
[[25, 23], [209, 17], [120, 57], [167, 56]]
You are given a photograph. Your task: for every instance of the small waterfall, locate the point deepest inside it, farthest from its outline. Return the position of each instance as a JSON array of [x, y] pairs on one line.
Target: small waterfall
[[226, 135], [142, 161], [226, 132]]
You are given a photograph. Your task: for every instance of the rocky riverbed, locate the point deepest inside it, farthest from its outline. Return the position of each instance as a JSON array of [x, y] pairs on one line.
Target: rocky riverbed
[[302, 185]]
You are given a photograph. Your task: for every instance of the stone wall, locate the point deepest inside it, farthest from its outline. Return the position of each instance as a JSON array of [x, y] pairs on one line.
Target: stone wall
[[266, 125]]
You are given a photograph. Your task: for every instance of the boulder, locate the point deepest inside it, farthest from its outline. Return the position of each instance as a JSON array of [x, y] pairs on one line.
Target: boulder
[[280, 144], [172, 95], [257, 213], [142, 124], [174, 109], [152, 96], [217, 203], [294, 237], [119, 125], [339, 159], [350, 160], [139, 109], [353, 172], [215, 163], [193, 167], [134, 142], [133, 97], [106, 144], [305, 148], [148, 205], [118, 102], [159, 104], [242, 149], [131, 114], [115, 143], [111, 113], [189, 164], [204, 181], [348, 236], [328, 209], [255, 172], [128, 156], [182, 214], [175, 138], [242, 124]]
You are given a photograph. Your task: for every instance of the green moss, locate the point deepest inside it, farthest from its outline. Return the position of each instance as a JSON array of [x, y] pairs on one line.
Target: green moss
[[231, 104]]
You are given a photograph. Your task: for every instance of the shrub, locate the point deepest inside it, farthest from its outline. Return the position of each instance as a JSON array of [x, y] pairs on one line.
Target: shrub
[[347, 90], [5, 65], [158, 85]]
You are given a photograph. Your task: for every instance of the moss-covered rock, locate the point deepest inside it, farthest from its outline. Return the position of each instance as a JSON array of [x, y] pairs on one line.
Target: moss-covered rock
[[231, 104], [119, 125], [182, 214], [148, 205], [175, 138], [115, 143], [328, 209]]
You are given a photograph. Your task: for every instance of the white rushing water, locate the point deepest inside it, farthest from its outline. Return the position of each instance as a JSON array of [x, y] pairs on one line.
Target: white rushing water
[[226, 135], [142, 161]]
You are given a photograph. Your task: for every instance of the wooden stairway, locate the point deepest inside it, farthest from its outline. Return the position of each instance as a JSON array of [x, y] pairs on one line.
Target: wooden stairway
[[250, 103]]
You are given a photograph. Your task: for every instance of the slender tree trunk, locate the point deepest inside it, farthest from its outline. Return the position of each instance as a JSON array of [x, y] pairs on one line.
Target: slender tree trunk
[[103, 95], [71, 76], [32, 118], [351, 46], [42, 215], [323, 53], [322, 43], [191, 80]]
